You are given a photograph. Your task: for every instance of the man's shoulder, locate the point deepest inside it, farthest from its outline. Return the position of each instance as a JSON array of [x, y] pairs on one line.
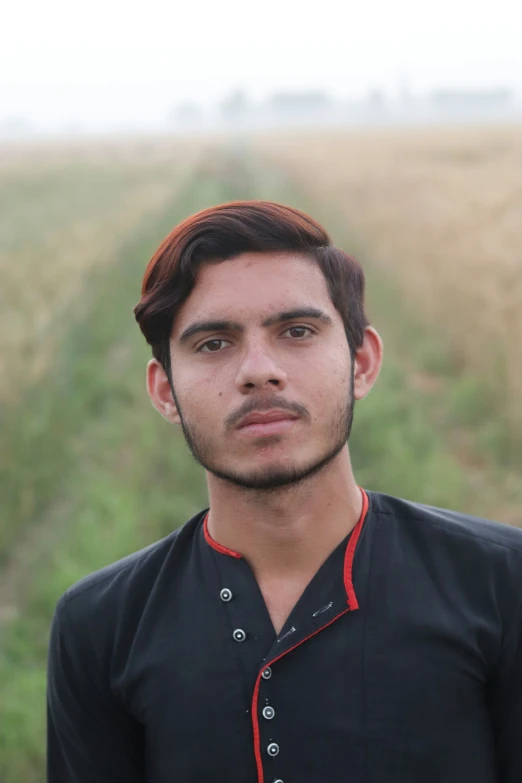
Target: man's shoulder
[[134, 573], [436, 521]]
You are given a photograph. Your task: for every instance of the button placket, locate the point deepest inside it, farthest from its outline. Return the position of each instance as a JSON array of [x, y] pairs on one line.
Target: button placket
[[239, 597], [268, 712], [226, 595], [293, 637]]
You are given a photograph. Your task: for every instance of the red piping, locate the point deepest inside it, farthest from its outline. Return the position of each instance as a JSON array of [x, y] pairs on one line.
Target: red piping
[[350, 553], [214, 544], [352, 604]]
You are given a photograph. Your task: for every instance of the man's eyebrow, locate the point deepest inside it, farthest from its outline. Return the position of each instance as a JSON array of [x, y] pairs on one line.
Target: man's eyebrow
[[208, 326], [299, 312], [232, 326]]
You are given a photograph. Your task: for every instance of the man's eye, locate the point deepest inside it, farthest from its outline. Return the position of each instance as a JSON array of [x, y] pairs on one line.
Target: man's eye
[[212, 346], [211, 343], [300, 329]]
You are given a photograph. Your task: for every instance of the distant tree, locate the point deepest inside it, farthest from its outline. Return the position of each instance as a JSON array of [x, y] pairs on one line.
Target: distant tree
[[16, 127], [234, 106]]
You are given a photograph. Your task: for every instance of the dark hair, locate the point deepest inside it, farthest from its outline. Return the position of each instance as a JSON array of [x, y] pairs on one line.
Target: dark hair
[[225, 231]]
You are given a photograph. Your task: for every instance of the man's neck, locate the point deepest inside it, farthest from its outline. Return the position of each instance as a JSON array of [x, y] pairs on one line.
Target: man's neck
[[290, 531]]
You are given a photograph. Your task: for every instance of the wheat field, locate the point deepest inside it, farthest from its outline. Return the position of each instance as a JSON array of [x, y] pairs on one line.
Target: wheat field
[[441, 211], [65, 211]]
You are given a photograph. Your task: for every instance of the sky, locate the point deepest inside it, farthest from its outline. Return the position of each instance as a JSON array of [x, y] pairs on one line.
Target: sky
[[120, 63]]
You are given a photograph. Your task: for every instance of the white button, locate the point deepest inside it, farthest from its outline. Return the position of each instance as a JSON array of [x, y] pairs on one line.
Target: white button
[[267, 673], [268, 713], [239, 635], [273, 749], [225, 594], [278, 780]]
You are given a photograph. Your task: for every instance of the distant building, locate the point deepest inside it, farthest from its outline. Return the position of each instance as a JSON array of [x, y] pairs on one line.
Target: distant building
[[471, 99]]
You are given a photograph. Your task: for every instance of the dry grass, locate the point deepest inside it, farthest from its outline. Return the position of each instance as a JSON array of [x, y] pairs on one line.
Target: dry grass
[[64, 211], [441, 209]]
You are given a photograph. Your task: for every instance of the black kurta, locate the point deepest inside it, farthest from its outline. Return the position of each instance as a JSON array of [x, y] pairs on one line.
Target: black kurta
[[401, 662]]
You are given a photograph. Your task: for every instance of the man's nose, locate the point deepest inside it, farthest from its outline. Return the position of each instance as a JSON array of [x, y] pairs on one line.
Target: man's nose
[[259, 368]]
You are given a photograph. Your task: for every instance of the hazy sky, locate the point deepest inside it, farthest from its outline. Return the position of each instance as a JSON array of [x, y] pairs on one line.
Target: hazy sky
[[117, 61]]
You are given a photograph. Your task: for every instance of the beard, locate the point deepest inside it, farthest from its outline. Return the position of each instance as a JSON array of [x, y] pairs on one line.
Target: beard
[[276, 476]]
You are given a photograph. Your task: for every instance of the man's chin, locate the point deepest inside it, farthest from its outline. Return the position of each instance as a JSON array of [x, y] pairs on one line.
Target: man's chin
[[262, 478], [269, 477]]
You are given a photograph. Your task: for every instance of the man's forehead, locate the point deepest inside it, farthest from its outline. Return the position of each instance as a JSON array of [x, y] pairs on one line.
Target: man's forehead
[[260, 283], [276, 288], [258, 265]]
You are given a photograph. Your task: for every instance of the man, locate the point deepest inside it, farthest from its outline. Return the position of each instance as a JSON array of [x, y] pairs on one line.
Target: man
[[299, 629]]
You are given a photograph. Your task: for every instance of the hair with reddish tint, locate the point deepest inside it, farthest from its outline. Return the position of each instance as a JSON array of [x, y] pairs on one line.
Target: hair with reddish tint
[[224, 232]]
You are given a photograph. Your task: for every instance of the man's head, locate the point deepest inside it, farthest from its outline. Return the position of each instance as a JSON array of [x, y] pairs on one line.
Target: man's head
[[248, 307]]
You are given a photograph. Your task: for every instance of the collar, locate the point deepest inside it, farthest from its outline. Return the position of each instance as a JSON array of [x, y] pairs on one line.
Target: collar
[[351, 598]]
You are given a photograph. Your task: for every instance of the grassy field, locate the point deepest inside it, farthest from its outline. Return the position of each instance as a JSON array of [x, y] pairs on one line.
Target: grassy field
[[63, 213], [94, 473], [440, 212], [66, 216]]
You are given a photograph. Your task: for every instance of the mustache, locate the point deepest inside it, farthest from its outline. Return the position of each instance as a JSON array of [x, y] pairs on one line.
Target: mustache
[[265, 404]]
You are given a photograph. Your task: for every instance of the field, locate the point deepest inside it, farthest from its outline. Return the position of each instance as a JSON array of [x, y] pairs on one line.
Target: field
[[63, 214], [89, 472]]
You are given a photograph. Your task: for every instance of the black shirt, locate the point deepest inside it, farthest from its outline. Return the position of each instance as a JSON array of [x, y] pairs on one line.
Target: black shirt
[[401, 661]]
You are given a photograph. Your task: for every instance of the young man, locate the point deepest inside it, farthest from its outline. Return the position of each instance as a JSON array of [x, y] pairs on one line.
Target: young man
[[299, 629]]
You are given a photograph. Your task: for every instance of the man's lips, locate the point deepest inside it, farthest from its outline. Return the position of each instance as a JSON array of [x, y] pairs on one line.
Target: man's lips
[[266, 422]]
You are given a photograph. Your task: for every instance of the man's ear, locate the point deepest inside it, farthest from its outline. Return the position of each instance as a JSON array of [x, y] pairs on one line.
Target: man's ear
[[160, 393], [367, 363]]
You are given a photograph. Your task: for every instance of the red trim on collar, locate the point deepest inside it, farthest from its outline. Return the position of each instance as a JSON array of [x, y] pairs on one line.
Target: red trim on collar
[[214, 544], [348, 558], [350, 553]]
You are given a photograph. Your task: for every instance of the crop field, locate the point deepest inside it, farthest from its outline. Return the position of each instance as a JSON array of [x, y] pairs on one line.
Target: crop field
[[64, 213], [440, 212], [89, 472]]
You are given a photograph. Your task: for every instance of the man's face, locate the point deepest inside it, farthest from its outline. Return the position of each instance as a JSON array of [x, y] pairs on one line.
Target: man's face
[[300, 363]]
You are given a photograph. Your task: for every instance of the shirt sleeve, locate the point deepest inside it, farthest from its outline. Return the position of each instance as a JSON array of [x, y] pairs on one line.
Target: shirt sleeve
[[90, 737], [506, 708]]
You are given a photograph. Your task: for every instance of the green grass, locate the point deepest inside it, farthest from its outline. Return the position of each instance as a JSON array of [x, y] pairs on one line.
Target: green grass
[[104, 475], [53, 215]]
